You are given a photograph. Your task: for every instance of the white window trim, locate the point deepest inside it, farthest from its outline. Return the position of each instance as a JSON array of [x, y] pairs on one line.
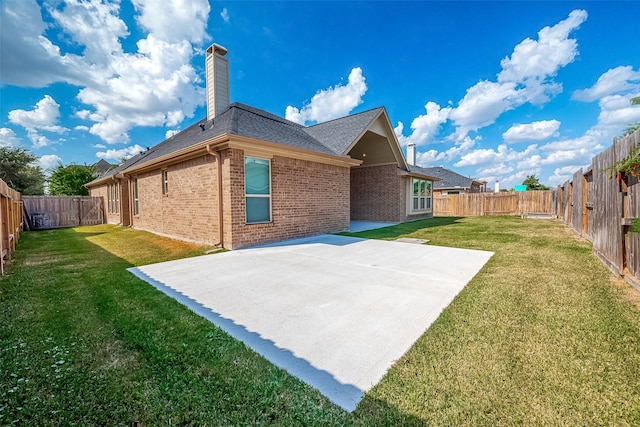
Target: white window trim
[[258, 195], [428, 198]]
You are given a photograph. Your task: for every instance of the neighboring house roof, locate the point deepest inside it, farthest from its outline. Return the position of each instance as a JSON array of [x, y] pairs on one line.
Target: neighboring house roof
[[102, 166], [334, 137], [450, 179]]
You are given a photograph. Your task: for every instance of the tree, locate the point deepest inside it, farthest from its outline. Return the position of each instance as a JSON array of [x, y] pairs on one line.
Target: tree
[[19, 171], [70, 180], [533, 183]]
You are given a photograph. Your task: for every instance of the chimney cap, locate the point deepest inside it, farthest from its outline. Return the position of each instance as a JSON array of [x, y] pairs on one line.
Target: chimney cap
[[216, 48]]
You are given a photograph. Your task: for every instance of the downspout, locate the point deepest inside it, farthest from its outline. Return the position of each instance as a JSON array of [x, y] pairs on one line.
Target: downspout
[[216, 154]]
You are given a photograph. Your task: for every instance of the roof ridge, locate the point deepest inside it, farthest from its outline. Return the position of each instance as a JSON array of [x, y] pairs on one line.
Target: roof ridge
[[264, 113], [347, 116]]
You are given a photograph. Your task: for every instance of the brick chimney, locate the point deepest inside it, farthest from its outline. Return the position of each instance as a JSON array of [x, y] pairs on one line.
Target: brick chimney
[[411, 154], [217, 81]]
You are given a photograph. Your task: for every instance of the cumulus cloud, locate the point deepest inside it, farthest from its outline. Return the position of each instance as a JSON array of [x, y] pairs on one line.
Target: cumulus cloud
[[526, 76], [168, 134], [614, 81], [8, 137], [535, 131], [225, 15], [328, 104], [153, 86], [425, 126], [503, 153], [43, 117], [123, 153], [49, 161]]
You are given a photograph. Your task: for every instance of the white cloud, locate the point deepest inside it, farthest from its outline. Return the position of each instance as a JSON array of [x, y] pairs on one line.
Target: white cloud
[[8, 137], [153, 86], [225, 15], [499, 169], [171, 132], [328, 104], [526, 77], [174, 20], [82, 128], [425, 126], [43, 117], [562, 174], [101, 146], [614, 81], [123, 153], [483, 104], [533, 63], [535, 131], [503, 153], [616, 112], [49, 161]]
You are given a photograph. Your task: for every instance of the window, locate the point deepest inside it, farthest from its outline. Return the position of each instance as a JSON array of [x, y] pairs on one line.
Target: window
[[113, 198], [136, 205], [257, 185], [420, 194], [165, 182]]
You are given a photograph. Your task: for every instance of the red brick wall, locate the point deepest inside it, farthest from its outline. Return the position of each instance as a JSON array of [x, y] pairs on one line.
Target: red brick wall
[[307, 198], [189, 211], [377, 193]]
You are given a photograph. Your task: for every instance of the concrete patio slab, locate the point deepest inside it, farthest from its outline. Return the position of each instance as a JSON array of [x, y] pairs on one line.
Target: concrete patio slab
[[334, 311]]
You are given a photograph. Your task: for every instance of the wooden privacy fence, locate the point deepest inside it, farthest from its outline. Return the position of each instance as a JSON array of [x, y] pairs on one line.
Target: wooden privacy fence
[[44, 212], [11, 219], [489, 204], [602, 209]]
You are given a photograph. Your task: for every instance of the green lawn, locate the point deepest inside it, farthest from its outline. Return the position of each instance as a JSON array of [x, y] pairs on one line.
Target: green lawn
[[542, 335]]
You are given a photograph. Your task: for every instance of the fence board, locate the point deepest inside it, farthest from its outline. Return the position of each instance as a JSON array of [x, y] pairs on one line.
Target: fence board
[[46, 212], [10, 222], [491, 204], [576, 202], [607, 208]]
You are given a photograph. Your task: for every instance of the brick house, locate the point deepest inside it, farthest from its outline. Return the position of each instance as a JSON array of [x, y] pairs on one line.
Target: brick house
[[453, 183], [244, 176]]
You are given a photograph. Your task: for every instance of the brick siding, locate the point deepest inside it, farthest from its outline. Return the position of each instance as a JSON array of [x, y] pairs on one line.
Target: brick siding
[[189, 210], [307, 198], [377, 193]]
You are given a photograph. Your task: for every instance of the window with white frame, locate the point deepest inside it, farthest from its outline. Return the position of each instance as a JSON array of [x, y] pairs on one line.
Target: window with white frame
[[136, 205], [420, 195], [257, 185]]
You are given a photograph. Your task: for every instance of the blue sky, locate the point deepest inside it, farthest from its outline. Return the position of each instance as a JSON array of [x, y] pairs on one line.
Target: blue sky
[[493, 90]]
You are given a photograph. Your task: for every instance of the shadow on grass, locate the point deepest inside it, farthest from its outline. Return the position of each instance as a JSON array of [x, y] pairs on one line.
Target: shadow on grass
[[136, 356], [405, 228]]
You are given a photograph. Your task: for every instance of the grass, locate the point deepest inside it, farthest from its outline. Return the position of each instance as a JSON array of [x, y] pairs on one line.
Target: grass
[[542, 335]]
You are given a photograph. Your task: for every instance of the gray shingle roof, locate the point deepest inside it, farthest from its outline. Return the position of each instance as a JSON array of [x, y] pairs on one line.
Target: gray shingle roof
[[450, 179], [340, 133], [332, 137]]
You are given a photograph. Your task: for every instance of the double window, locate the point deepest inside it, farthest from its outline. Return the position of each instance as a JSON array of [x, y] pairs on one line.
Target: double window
[[420, 195], [257, 184]]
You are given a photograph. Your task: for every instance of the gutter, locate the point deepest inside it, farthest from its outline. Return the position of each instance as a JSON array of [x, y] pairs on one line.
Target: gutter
[[216, 154]]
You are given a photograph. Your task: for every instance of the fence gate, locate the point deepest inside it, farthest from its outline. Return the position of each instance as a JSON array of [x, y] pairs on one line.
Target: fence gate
[[44, 212]]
